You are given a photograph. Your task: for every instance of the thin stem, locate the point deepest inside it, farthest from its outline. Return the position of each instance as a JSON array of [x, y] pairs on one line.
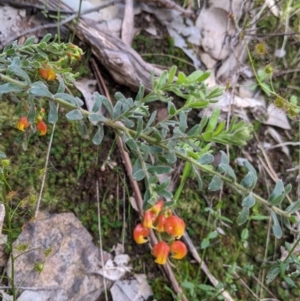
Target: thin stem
[[77, 19], [45, 169], [100, 234], [292, 249], [13, 81]]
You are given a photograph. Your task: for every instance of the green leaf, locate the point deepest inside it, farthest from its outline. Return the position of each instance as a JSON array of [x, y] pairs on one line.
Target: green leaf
[[132, 145], [198, 104], [278, 200], [182, 122], [249, 201], [83, 130], [259, 217], [172, 73], [194, 130], [245, 234], [224, 158], [52, 115], [266, 88], [243, 216], [46, 38], [19, 73], [215, 184], [107, 105], [74, 115], [120, 97], [162, 80], [188, 285], [165, 193], [69, 98], [170, 157], [207, 136], [248, 181], [156, 134], [213, 235], [203, 123], [153, 149], [97, 139], [98, 102], [198, 177], [206, 159], [144, 150], [205, 243], [213, 120], [171, 108], [294, 207], [273, 272], [94, 118], [139, 127], [42, 53], [278, 190], [160, 169], [40, 89], [128, 123], [9, 88], [140, 93], [228, 170], [220, 128], [206, 288], [181, 78], [198, 76], [137, 171], [61, 87], [276, 226], [163, 185], [2, 155], [289, 281], [250, 168], [29, 41], [117, 110]]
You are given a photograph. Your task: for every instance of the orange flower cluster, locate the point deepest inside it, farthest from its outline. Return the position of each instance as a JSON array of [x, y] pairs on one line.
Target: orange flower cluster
[[47, 73], [162, 220], [41, 126]]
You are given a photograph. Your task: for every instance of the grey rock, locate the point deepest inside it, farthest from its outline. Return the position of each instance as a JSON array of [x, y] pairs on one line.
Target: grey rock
[[59, 261]]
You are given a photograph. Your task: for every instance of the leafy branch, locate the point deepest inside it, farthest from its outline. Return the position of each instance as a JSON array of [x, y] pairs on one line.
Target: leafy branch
[[154, 146]]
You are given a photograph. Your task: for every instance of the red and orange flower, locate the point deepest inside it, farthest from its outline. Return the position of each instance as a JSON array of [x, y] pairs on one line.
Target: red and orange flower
[[161, 251], [139, 234], [23, 123], [162, 220], [47, 73], [175, 226], [41, 127], [178, 249]]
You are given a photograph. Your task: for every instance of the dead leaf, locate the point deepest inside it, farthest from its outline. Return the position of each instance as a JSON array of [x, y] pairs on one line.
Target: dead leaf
[[277, 117], [87, 87], [133, 203], [132, 290], [116, 268], [277, 137]]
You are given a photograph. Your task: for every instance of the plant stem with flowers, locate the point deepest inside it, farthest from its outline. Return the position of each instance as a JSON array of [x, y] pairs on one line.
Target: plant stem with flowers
[[36, 76], [162, 220]]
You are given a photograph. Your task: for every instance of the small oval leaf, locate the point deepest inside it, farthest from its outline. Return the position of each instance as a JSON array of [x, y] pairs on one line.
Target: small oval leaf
[[74, 115]]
